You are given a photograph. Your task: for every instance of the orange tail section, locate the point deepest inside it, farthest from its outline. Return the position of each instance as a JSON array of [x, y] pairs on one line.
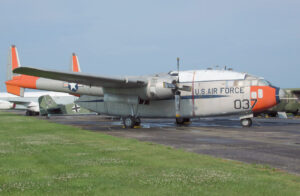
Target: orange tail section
[[13, 62], [15, 83], [16, 90], [75, 67]]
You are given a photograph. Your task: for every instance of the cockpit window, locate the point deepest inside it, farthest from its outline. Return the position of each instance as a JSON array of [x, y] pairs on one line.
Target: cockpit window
[[173, 73], [263, 83]]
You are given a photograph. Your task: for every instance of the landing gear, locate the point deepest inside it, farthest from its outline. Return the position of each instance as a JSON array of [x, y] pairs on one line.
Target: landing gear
[[28, 113], [130, 121], [182, 121], [137, 121], [246, 122]]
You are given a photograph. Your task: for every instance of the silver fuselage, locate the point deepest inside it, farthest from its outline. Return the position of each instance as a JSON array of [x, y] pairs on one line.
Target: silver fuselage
[[210, 96]]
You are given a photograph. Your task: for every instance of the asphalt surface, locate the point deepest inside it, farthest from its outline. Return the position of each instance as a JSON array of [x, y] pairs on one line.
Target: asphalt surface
[[272, 142]]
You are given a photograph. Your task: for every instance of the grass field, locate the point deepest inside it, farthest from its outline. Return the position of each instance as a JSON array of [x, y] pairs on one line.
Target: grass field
[[42, 158]]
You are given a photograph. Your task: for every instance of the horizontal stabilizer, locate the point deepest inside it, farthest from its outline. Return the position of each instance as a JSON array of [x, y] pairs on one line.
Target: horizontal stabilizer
[[101, 81], [13, 62], [15, 90]]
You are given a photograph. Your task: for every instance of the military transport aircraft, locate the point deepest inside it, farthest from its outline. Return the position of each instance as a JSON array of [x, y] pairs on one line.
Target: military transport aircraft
[[177, 94]]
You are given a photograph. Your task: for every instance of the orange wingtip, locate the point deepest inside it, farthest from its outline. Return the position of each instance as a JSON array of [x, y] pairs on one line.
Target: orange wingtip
[[75, 63]]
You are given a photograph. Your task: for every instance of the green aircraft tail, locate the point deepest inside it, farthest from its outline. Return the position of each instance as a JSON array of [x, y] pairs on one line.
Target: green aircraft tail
[[47, 104]]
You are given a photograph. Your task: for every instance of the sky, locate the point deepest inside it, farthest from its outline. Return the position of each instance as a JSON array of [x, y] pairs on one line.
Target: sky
[[134, 37]]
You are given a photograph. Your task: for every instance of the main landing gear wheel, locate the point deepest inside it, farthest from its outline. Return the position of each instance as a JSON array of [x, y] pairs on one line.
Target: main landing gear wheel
[[137, 121], [182, 121], [130, 122], [246, 122]]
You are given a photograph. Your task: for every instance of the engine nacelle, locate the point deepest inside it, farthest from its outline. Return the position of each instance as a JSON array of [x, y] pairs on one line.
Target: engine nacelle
[[157, 90], [5, 105]]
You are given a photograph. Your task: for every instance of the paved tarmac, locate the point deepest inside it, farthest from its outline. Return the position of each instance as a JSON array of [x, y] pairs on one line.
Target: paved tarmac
[[273, 142]]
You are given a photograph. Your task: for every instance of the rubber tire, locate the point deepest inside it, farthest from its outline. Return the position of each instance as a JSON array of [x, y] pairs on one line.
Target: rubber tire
[[129, 122], [137, 121], [186, 120], [179, 121], [246, 122]]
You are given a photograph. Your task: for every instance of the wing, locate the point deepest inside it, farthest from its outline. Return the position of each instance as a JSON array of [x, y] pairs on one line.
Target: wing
[[24, 103], [101, 81]]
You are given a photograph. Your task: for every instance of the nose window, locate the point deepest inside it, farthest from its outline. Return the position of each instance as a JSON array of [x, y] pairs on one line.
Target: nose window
[[260, 93], [253, 95]]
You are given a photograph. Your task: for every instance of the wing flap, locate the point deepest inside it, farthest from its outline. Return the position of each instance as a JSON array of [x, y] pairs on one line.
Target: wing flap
[[101, 81]]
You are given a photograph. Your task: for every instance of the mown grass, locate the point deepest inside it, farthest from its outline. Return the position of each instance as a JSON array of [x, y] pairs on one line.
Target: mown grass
[[38, 157]]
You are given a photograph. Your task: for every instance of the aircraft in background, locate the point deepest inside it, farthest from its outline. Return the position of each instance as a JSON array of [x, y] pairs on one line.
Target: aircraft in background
[[49, 107], [181, 95], [30, 101], [290, 103]]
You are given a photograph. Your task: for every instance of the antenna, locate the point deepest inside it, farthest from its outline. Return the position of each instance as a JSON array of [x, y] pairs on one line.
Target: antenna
[[178, 68]]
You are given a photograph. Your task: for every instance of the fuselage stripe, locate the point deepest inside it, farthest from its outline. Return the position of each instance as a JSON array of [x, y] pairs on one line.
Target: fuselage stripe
[[183, 97]]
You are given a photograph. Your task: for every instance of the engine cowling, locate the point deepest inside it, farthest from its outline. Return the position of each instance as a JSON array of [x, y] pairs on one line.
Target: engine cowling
[[5, 105], [157, 90]]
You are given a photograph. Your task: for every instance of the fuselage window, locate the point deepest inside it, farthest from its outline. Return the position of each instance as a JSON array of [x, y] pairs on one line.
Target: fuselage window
[[260, 93], [253, 95]]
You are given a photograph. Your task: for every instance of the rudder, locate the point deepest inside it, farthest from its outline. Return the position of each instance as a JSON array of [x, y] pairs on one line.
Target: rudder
[[75, 67], [13, 63]]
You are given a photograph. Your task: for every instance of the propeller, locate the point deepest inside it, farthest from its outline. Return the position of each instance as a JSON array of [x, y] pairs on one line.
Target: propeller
[[176, 88]]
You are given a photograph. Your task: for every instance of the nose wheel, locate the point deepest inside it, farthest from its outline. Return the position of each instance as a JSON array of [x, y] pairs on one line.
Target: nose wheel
[[246, 122]]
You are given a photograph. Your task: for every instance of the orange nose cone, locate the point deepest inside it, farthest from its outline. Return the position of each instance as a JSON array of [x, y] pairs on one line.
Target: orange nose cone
[[263, 97]]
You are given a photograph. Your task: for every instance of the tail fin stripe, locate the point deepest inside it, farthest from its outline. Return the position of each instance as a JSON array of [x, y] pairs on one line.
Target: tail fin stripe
[[75, 63], [15, 58]]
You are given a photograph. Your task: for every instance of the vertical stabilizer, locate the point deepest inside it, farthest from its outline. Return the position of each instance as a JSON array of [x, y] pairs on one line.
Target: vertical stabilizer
[[47, 104], [13, 62], [75, 67], [46, 101]]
